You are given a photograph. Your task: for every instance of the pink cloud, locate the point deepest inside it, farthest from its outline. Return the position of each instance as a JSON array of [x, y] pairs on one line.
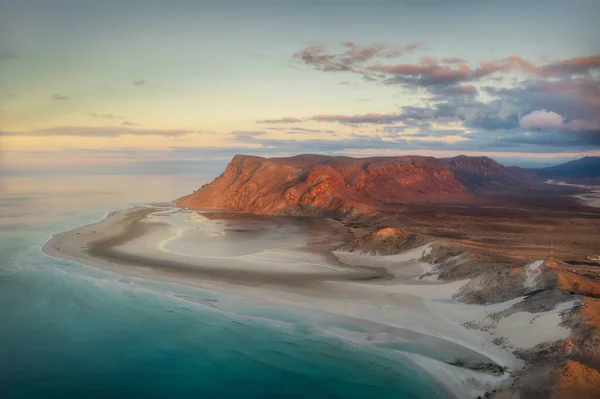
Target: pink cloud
[[430, 70], [286, 119], [365, 118], [453, 60], [542, 119], [573, 66]]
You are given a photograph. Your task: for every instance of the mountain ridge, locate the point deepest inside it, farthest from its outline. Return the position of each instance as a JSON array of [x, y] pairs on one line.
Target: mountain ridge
[[315, 184], [339, 186]]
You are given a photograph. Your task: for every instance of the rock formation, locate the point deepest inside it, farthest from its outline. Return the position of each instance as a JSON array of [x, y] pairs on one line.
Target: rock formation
[[323, 185], [386, 241]]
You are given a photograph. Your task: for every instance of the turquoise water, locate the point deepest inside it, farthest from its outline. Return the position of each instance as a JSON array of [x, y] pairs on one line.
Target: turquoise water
[[68, 330]]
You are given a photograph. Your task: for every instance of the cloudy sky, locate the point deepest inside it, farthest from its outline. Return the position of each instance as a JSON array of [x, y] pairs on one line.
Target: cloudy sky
[[161, 85]]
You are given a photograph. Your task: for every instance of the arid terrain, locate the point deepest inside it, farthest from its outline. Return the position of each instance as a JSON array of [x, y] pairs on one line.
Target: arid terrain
[[486, 223]]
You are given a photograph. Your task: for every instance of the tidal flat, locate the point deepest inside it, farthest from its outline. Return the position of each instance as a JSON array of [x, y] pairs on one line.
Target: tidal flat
[[386, 302]]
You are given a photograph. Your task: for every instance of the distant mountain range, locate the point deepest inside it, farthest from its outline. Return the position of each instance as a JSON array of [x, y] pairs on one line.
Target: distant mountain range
[[580, 170], [342, 186]]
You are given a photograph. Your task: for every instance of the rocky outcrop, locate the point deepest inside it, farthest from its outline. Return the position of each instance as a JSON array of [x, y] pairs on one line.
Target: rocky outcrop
[[576, 380], [386, 241], [327, 186]]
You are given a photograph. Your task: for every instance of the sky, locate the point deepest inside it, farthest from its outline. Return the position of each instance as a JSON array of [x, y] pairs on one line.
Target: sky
[[178, 86]]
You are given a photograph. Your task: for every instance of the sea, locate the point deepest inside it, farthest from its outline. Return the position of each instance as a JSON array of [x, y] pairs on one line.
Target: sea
[[68, 330]]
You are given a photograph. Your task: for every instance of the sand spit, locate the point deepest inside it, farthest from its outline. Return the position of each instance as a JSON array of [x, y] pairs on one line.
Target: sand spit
[[393, 302]]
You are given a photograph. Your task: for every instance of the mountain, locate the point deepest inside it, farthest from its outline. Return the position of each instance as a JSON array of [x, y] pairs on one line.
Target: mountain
[[342, 186], [317, 184], [580, 170], [484, 175]]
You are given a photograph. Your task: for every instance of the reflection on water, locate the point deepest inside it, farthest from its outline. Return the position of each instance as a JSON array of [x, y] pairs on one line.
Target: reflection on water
[[199, 235]]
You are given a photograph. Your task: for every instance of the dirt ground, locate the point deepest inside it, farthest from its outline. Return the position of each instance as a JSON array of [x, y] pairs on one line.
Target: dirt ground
[[570, 234]]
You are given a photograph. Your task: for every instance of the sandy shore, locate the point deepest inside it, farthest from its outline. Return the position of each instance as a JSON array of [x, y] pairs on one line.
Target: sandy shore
[[393, 301]]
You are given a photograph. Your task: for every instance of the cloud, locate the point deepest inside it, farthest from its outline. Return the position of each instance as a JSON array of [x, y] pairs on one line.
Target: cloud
[[295, 130], [431, 71], [589, 126], [421, 129], [84, 131], [503, 123], [438, 133], [441, 93], [441, 112], [282, 120], [129, 124], [453, 60], [578, 99], [559, 100], [426, 60], [321, 145], [112, 117], [303, 130], [581, 130], [104, 116], [573, 66], [247, 133], [507, 109], [517, 144], [371, 118], [60, 97], [428, 140], [246, 136], [408, 114], [542, 119], [470, 113], [139, 82], [317, 55]]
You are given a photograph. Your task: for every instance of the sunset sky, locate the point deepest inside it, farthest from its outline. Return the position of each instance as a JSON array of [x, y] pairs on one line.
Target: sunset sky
[[165, 85]]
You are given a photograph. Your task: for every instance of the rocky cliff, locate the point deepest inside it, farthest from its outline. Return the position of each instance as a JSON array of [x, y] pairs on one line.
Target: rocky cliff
[[326, 185]]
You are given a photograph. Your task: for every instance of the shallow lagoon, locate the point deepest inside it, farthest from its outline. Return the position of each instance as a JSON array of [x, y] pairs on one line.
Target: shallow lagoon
[[70, 330]]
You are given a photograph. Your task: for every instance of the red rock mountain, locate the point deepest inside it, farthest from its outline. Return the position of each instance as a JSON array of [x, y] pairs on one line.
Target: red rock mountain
[[327, 185], [484, 175]]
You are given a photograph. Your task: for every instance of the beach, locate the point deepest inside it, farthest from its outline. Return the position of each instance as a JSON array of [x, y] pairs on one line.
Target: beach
[[393, 302]]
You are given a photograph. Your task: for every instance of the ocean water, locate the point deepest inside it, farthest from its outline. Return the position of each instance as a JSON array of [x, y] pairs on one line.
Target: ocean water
[[69, 331]]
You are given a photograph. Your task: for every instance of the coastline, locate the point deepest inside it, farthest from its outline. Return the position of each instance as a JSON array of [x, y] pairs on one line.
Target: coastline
[[401, 310]]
